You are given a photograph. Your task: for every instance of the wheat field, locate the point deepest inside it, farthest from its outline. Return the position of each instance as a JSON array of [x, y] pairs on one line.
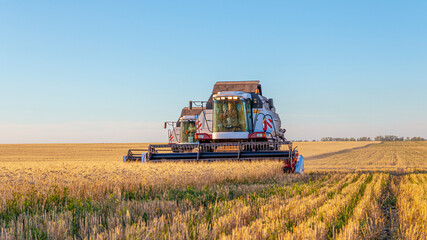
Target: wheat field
[[312, 149], [351, 190], [387, 156]]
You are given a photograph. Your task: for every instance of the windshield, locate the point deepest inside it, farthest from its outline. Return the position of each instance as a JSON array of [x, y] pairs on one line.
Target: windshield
[[188, 130], [229, 115]]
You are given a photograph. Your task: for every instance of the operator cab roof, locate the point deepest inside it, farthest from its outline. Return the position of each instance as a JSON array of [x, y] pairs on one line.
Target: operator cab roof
[[250, 87], [193, 111], [188, 112], [243, 86]]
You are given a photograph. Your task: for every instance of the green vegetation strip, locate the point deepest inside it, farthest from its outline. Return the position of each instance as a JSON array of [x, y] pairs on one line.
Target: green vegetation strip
[[254, 200], [59, 200], [342, 219], [330, 195]]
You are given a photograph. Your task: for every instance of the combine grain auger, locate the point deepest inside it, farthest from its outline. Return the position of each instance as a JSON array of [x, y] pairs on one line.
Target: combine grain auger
[[236, 123]]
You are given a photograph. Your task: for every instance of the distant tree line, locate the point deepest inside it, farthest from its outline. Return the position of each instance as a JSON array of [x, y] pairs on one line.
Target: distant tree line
[[395, 138], [415, 139], [331, 139], [377, 138]]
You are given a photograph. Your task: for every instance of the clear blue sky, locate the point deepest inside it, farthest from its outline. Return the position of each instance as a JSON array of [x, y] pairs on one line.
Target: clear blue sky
[[113, 71]]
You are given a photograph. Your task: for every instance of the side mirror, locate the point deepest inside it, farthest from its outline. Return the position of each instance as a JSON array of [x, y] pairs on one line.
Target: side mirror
[[165, 124], [270, 101], [190, 105]]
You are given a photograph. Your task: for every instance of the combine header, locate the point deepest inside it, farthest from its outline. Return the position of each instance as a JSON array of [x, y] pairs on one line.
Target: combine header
[[236, 123]]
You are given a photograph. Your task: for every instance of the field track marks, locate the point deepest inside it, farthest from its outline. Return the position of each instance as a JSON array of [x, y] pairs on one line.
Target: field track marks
[[325, 155], [388, 208]]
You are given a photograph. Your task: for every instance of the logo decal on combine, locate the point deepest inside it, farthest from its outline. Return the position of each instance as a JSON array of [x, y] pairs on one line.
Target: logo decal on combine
[[267, 124], [199, 125], [270, 123]]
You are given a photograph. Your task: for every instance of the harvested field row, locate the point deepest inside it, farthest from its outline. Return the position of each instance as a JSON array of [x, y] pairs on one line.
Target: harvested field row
[[386, 156], [314, 149], [411, 192]]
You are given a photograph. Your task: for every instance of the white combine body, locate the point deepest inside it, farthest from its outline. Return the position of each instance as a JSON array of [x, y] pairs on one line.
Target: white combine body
[[236, 123]]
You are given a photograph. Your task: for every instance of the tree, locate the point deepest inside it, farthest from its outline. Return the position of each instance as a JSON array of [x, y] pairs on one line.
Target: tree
[[379, 138]]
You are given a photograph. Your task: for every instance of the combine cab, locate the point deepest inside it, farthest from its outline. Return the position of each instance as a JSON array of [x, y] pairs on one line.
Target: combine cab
[[239, 123], [184, 130]]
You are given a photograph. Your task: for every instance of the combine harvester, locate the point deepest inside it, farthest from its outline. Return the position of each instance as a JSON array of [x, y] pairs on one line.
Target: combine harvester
[[236, 123], [184, 130]]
